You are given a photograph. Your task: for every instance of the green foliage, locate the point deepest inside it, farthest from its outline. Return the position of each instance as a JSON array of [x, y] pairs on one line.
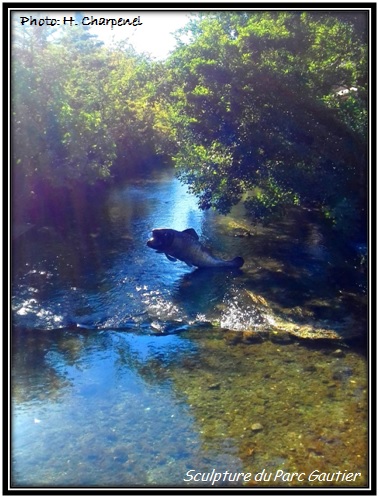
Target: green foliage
[[246, 107], [59, 131], [79, 108], [210, 176], [262, 121]]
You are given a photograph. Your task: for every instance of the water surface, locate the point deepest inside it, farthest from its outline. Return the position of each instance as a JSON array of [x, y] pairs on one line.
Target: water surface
[[130, 370]]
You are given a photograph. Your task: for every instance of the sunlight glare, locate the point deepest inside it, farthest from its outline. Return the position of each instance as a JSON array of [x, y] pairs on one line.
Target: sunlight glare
[[155, 35]]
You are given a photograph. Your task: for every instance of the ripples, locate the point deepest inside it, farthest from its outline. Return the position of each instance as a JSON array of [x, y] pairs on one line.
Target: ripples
[[240, 314], [161, 307], [30, 311], [241, 318], [126, 362]]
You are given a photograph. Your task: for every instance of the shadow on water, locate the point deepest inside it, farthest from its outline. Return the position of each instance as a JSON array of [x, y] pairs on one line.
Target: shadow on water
[[130, 370]]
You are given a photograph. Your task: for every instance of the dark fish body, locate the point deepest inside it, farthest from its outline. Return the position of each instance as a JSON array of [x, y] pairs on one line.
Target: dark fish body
[[186, 247]]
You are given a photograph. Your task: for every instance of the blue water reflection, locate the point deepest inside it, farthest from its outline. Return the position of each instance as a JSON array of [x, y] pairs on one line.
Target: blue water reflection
[[93, 406], [105, 336], [113, 419]]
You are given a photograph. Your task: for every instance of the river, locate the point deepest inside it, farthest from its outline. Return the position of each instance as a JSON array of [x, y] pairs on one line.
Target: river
[[132, 370]]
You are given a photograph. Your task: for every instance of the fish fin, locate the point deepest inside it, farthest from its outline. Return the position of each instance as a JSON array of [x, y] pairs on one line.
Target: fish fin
[[191, 232], [170, 258], [188, 264]]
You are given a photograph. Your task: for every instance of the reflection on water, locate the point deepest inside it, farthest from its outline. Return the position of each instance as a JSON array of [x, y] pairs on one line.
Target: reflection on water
[[101, 410], [128, 369]]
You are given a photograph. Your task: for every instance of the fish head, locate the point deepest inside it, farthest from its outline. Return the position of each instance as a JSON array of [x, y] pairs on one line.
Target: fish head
[[162, 239]]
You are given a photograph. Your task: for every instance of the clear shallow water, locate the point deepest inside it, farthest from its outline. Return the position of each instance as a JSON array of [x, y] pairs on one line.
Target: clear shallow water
[[162, 374], [96, 414]]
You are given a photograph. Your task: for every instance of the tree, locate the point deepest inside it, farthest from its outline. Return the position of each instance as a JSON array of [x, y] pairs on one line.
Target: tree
[[81, 113], [262, 121]]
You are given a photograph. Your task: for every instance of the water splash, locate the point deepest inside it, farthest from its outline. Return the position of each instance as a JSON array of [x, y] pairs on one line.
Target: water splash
[[241, 313]]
